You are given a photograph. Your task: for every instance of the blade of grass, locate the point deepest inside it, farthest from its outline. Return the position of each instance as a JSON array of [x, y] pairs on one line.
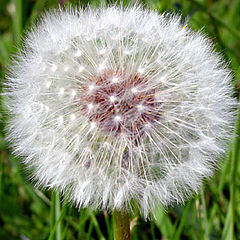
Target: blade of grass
[[17, 21], [90, 230], [213, 214], [215, 209], [52, 214], [81, 227], [65, 231], [234, 167], [199, 215], [228, 230], [1, 174], [237, 76], [204, 215], [218, 19], [164, 223], [152, 226], [37, 8], [109, 230], [194, 221], [58, 216], [96, 226], [3, 51], [183, 221], [83, 217], [78, 226]]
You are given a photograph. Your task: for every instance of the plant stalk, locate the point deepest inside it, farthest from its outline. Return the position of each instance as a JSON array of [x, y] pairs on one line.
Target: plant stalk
[[121, 225]]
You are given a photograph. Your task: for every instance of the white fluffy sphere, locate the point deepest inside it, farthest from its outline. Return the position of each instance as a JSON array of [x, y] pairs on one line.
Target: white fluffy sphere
[[119, 107]]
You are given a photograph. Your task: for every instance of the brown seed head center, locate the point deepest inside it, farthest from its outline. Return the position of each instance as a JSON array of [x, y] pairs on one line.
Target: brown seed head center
[[119, 104]]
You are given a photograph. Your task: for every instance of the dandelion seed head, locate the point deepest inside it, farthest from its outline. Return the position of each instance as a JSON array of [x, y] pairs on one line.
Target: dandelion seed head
[[119, 107]]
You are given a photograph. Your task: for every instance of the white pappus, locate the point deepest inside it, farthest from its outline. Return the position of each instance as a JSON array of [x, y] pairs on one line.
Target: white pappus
[[119, 107]]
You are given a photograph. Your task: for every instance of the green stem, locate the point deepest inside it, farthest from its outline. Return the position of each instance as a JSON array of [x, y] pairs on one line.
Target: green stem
[[57, 216], [121, 225]]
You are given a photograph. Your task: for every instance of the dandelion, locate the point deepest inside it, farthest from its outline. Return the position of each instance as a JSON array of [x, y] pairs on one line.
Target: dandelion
[[119, 108]]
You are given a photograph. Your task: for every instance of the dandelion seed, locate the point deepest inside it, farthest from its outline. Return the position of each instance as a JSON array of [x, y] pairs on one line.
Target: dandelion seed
[[141, 70], [91, 87], [112, 98], [115, 79], [66, 68], [54, 68], [90, 106], [152, 116], [72, 117], [80, 69], [117, 118], [134, 90], [92, 125], [78, 53], [73, 93], [102, 51], [48, 84], [101, 66], [140, 107], [60, 120], [61, 91]]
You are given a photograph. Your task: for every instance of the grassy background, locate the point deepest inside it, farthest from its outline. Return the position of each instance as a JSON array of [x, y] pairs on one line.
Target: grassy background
[[26, 213]]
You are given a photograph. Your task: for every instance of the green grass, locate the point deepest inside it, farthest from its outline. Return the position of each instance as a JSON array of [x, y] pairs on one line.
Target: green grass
[[26, 213]]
